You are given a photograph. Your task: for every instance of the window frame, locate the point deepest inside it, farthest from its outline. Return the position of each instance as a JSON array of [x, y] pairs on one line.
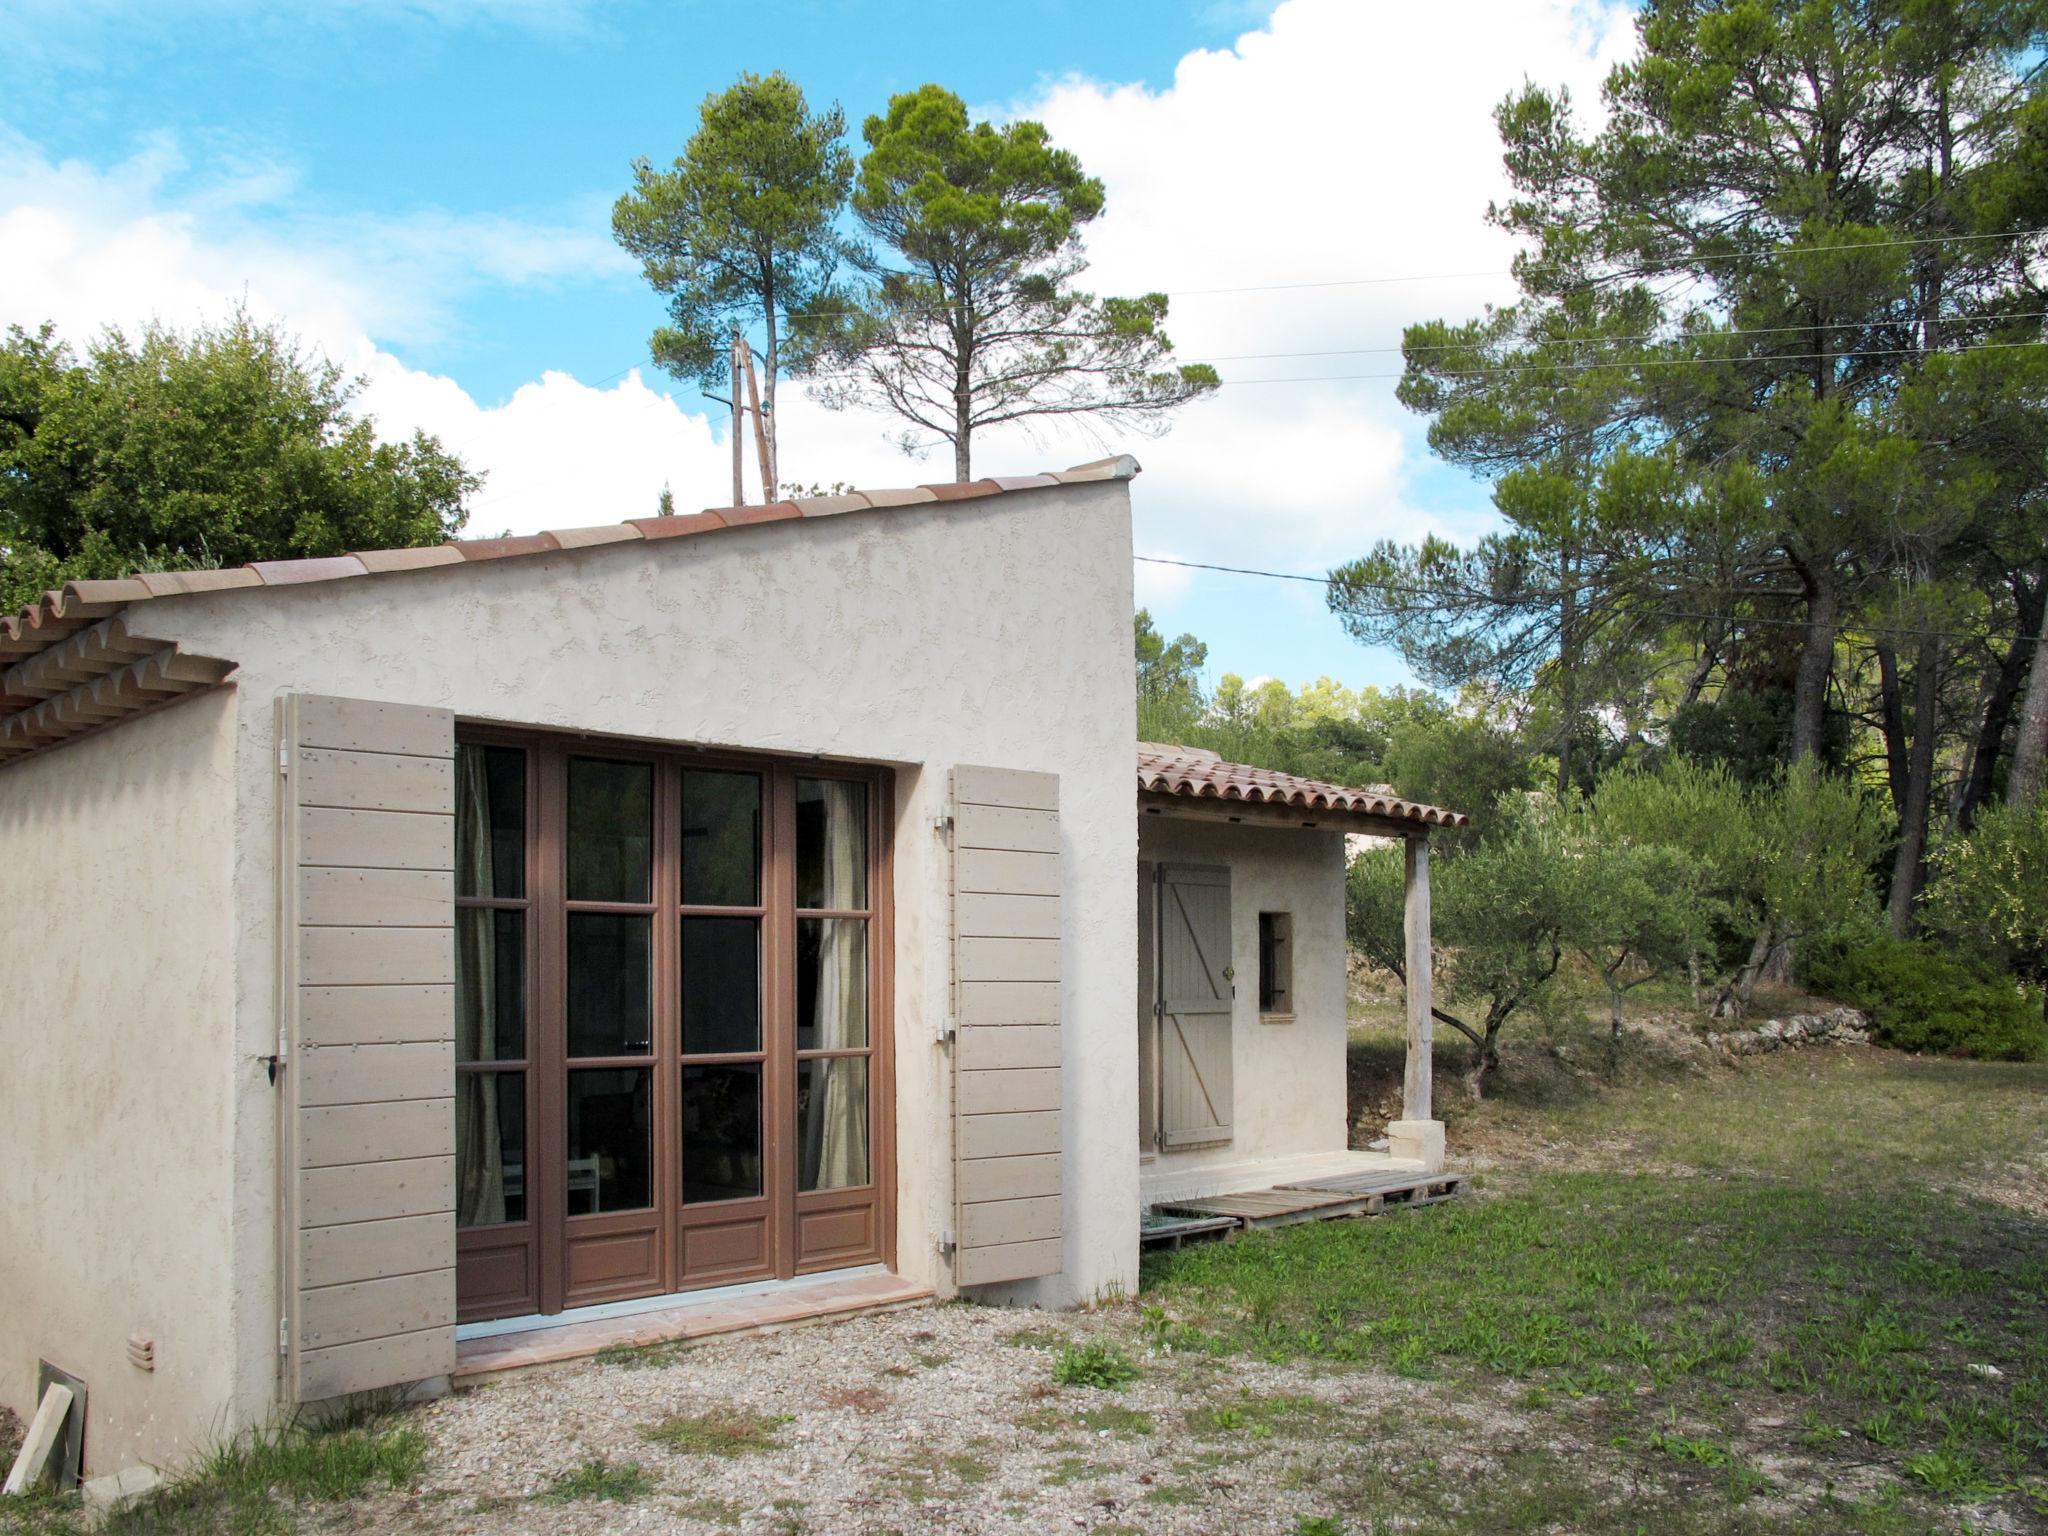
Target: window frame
[[1276, 954]]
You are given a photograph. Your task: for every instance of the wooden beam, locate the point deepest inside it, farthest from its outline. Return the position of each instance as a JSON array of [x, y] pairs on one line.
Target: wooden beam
[[1266, 814], [41, 1443], [1415, 1081]]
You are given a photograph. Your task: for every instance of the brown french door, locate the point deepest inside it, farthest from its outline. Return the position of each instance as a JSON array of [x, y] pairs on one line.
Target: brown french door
[[671, 1007]]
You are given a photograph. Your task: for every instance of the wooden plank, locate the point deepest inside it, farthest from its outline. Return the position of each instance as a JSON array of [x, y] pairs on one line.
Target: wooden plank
[[1009, 1135], [416, 1186], [1006, 827], [986, 915], [367, 725], [1011, 1261], [1009, 959], [1011, 1090], [1006, 786], [384, 1362], [1009, 1178], [987, 1223], [1375, 1183], [1004, 1003], [378, 1074], [991, 1048], [370, 1250], [377, 781], [40, 1443], [1006, 874], [363, 1015], [333, 1134], [344, 957], [375, 1309], [376, 898], [376, 839]]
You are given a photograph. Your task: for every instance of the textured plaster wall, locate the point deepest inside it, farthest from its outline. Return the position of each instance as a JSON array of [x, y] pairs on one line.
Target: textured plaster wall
[[1289, 1092], [987, 632], [116, 968]]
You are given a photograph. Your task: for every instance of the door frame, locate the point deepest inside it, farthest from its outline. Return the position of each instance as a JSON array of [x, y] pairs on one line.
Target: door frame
[[545, 1233]]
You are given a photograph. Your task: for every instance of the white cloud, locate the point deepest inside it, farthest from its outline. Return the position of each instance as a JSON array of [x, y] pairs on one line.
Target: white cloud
[[1340, 140]]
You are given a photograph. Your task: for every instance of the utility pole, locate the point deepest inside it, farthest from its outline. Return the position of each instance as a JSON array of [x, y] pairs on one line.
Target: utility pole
[[739, 479], [763, 428]]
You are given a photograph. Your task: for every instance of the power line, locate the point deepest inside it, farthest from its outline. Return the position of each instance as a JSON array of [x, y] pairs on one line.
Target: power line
[[1331, 581]]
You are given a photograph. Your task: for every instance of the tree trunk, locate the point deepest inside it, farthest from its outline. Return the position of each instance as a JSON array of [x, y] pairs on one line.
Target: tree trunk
[[1909, 863], [1816, 662], [2031, 606], [772, 492], [1741, 987], [1892, 714], [1568, 674], [2028, 752]]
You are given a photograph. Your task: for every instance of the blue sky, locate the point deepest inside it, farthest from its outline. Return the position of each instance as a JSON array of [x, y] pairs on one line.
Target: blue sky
[[421, 188]]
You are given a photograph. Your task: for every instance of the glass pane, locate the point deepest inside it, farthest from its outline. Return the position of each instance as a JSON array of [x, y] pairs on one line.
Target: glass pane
[[831, 983], [832, 1122], [721, 985], [611, 830], [490, 821], [611, 1140], [721, 1132], [490, 985], [490, 1146], [721, 839], [831, 844], [610, 985]]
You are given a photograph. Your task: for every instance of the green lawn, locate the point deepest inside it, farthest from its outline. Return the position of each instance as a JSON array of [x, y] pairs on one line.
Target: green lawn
[[1811, 1289]]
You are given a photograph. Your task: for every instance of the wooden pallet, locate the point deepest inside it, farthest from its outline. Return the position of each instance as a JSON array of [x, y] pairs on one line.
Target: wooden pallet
[[1276, 1207], [1174, 1231], [1390, 1188]]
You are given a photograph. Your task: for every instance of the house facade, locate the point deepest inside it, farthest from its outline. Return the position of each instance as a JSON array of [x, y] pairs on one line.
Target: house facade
[[420, 949]]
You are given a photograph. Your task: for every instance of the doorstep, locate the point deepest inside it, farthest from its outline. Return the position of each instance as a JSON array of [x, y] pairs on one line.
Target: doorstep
[[737, 1309]]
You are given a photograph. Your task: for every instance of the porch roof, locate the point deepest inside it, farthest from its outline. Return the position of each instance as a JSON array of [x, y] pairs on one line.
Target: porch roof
[[1173, 778], [84, 658]]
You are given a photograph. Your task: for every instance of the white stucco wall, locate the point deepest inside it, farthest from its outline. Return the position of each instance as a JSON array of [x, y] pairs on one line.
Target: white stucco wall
[[994, 631], [117, 1086], [1288, 1078]]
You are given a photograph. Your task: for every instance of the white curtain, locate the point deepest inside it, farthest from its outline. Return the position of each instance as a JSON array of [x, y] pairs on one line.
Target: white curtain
[[480, 1198], [835, 1132]]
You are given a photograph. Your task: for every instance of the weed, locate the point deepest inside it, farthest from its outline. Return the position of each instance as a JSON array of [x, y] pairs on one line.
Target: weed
[[1099, 1365], [609, 1482]]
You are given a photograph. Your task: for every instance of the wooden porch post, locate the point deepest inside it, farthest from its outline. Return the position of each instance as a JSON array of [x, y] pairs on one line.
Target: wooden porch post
[[1415, 1085]]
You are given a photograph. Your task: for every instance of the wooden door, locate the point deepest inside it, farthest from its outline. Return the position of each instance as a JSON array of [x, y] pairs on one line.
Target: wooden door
[[1197, 986]]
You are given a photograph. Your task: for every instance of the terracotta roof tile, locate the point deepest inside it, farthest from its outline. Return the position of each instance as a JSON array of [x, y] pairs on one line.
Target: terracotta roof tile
[[907, 496], [176, 583], [675, 527], [380, 560], [1195, 774], [774, 512], [284, 573], [602, 533], [962, 490], [514, 544], [827, 506]]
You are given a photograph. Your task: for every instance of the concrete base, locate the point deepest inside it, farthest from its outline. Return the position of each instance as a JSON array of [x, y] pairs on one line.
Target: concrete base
[[102, 1492], [1421, 1140]]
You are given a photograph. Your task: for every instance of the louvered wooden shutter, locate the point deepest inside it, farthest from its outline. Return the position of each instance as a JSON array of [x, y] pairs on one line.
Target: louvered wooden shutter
[[367, 910], [1006, 996], [1196, 989]]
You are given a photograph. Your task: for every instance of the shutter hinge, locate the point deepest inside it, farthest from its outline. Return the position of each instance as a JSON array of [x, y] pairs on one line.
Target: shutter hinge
[[945, 1244], [948, 1030], [284, 758], [272, 1065], [943, 822], [284, 1334]]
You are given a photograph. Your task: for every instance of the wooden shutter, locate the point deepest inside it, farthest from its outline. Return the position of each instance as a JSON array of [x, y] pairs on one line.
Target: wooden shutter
[[1196, 987], [1006, 1006], [367, 910]]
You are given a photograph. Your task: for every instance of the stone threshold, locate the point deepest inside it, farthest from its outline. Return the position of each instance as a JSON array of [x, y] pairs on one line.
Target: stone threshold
[[482, 1354]]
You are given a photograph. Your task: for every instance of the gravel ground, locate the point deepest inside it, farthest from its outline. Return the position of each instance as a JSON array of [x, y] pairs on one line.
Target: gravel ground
[[943, 1419]]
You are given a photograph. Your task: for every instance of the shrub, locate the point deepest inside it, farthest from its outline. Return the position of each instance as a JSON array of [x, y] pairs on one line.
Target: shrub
[[1922, 999]]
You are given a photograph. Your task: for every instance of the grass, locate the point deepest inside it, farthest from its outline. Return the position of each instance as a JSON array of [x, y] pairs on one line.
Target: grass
[[717, 1432], [605, 1481], [1851, 1242], [248, 1487]]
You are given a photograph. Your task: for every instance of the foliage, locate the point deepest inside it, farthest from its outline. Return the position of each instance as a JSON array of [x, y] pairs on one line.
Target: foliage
[[1922, 999], [1990, 895], [1095, 1364], [1169, 679], [742, 227], [223, 446], [607, 1481], [969, 318], [717, 1432]]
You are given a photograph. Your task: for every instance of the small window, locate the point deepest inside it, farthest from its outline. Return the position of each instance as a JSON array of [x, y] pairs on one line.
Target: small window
[[1276, 963]]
